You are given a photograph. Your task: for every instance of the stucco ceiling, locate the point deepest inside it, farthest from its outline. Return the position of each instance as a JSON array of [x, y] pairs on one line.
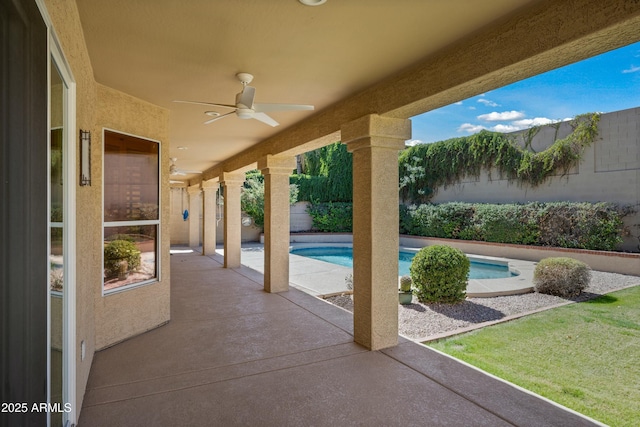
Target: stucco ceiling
[[163, 50]]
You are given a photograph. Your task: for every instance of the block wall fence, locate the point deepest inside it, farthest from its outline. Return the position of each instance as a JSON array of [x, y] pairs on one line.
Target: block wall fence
[[609, 172]]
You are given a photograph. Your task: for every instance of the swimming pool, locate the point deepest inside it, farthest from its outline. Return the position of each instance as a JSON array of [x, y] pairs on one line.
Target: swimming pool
[[344, 256]]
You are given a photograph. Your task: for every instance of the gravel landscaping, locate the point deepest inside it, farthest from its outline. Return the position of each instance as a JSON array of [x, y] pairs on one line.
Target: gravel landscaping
[[423, 322]]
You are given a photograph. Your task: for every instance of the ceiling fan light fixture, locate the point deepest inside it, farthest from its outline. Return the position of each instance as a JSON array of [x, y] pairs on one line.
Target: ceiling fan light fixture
[[312, 2], [212, 113]]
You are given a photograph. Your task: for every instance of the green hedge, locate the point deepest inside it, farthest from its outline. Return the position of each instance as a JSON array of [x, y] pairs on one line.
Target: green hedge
[[596, 226], [312, 187], [331, 217]]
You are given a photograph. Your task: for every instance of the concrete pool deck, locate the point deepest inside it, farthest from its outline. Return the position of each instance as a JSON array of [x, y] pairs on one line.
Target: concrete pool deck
[[323, 279]]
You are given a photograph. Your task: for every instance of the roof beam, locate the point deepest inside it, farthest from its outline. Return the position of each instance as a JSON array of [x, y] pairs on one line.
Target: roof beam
[[543, 36]]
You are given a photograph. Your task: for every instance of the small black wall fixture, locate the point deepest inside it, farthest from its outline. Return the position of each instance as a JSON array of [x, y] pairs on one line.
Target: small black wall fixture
[[85, 157]]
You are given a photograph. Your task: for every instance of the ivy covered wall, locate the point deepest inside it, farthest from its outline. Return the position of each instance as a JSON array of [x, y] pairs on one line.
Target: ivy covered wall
[[426, 168], [609, 171]]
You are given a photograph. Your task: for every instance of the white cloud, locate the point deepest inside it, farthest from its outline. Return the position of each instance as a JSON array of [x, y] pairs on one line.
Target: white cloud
[[633, 69], [472, 108], [505, 128], [488, 103], [458, 103], [527, 123], [504, 116], [468, 127], [413, 142]]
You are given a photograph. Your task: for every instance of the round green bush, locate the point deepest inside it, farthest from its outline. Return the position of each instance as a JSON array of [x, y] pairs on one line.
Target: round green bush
[[439, 274], [119, 250], [561, 276]]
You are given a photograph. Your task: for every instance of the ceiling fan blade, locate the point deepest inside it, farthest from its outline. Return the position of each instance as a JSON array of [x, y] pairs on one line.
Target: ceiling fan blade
[[217, 118], [265, 119], [263, 108], [210, 104], [246, 97]]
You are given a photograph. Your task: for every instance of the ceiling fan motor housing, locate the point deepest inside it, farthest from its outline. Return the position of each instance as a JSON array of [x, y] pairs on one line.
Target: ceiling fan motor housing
[[245, 113]]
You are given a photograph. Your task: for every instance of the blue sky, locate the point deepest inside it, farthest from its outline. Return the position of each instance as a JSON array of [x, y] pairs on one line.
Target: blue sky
[[605, 83]]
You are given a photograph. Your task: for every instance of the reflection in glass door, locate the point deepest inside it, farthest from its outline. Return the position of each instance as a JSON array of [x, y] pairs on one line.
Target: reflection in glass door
[[56, 246]]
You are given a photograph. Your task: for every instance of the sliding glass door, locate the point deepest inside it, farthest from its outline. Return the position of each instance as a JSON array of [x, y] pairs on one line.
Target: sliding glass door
[[61, 262]]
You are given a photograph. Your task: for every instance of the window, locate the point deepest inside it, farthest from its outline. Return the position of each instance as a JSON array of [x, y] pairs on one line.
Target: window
[[131, 211]]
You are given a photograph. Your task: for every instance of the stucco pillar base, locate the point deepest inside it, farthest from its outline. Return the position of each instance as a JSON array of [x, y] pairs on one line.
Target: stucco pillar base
[[232, 183], [276, 171], [209, 189], [375, 142], [195, 203]]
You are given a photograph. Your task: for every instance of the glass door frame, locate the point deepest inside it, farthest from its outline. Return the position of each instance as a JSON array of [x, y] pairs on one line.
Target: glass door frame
[[58, 63]]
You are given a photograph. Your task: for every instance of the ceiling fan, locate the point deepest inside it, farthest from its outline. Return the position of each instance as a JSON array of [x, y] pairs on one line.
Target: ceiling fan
[[173, 169], [245, 108]]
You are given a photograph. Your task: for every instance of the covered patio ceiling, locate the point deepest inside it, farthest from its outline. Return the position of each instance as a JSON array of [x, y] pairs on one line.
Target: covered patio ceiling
[[347, 58]]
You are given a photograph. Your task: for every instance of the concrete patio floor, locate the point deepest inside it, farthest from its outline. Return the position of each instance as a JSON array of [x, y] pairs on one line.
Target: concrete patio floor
[[233, 355]]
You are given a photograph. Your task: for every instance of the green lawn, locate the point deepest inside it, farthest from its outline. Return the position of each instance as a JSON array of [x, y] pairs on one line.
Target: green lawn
[[585, 356]]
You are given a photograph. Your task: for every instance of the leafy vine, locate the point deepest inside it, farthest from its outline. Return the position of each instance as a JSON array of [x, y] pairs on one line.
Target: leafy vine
[[426, 167]]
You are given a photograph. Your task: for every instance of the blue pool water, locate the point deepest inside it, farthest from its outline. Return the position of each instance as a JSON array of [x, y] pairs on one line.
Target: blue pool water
[[344, 256]]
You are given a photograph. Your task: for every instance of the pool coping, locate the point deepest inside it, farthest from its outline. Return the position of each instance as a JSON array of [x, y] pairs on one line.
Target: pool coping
[[324, 279]]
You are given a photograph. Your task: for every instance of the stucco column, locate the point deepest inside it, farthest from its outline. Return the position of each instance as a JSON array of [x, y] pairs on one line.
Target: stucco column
[[209, 189], [195, 203], [276, 171], [375, 142], [232, 183]]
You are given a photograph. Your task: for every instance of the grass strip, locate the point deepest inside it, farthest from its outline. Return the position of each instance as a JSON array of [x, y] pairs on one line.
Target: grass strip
[[585, 356]]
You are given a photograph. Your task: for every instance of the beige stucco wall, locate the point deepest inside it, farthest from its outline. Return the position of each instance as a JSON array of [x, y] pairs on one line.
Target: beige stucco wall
[[608, 172], [124, 314]]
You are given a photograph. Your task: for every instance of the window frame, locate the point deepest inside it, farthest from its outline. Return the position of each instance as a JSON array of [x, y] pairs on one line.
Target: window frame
[[156, 222]]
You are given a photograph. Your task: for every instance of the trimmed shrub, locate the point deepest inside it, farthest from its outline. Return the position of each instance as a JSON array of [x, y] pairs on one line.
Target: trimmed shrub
[[439, 274], [117, 251], [561, 276]]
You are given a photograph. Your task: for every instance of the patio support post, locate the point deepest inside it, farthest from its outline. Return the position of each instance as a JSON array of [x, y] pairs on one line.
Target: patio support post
[[375, 141], [195, 203], [232, 184], [210, 188], [276, 171]]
